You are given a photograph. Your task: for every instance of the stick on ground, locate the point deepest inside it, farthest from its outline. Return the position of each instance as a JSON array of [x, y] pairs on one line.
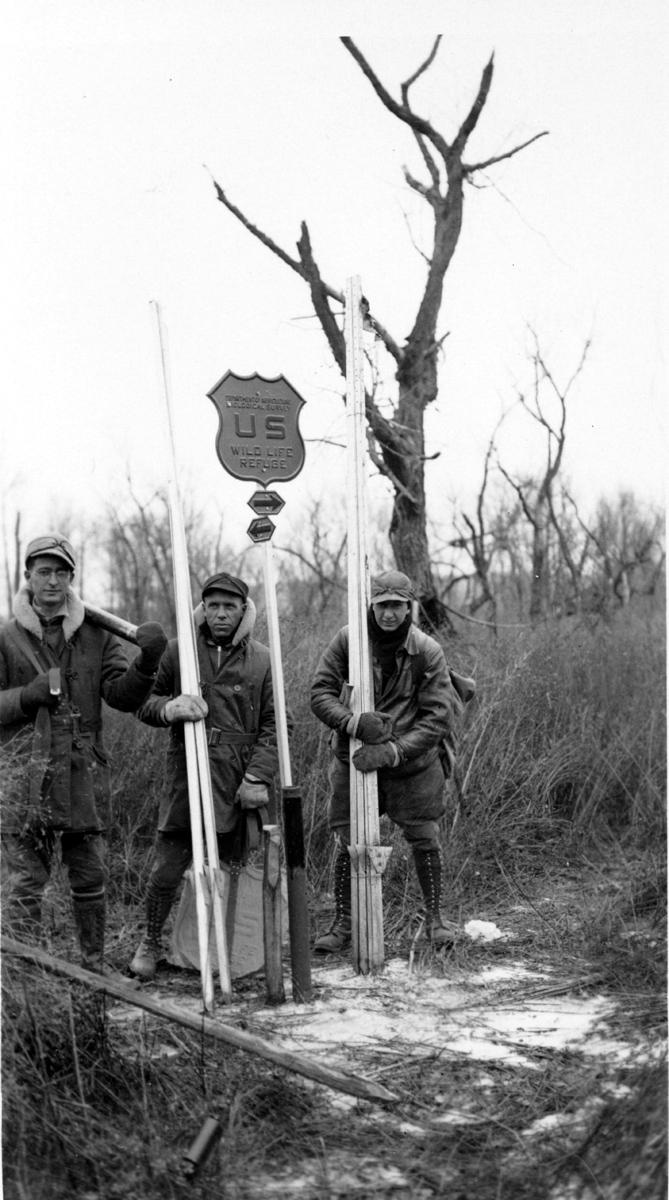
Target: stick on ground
[[341, 1081]]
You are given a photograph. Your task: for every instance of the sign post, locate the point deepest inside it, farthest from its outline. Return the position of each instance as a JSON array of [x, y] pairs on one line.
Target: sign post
[[258, 439], [368, 857]]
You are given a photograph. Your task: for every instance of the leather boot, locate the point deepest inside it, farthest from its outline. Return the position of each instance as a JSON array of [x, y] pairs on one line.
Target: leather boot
[[89, 920], [338, 936], [428, 870], [149, 952]]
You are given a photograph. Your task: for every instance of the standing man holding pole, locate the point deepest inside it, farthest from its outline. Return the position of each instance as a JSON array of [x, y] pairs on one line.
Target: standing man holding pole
[[237, 706], [404, 739]]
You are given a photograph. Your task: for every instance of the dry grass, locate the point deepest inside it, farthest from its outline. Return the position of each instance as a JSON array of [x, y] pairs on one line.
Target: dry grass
[[558, 832]]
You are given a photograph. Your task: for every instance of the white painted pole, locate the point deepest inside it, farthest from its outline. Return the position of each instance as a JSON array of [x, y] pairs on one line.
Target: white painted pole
[[277, 668], [207, 876], [368, 857]]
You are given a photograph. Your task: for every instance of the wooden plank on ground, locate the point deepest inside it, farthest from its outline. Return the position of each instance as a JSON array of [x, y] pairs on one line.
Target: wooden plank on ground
[[331, 1077]]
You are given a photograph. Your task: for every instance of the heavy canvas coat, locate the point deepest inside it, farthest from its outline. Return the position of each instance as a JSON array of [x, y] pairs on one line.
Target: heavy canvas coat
[[241, 723], [68, 783], [419, 697]]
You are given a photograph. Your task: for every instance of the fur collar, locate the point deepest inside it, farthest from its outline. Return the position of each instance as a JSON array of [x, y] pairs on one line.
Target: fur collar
[[28, 619], [245, 627]]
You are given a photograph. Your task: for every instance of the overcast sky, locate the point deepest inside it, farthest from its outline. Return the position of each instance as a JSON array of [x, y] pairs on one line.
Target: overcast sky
[[117, 115]]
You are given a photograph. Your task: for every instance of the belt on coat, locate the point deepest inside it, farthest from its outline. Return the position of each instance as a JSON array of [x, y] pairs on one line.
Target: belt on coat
[[232, 736]]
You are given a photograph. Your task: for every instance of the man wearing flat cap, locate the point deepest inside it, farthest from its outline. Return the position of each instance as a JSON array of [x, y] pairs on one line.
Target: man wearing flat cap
[[237, 704], [406, 740], [56, 667]]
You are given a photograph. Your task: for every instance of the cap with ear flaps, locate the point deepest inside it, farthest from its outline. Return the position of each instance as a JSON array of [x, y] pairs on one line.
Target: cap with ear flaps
[[391, 585], [53, 544]]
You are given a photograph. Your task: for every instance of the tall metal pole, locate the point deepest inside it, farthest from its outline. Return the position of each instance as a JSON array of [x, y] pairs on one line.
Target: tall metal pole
[[368, 857], [208, 879]]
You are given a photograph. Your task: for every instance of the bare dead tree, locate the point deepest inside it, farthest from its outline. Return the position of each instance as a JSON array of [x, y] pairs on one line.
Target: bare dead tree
[[397, 443], [626, 551], [138, 543], [321, 565], [537, 496], [477, 542], [13, 558]]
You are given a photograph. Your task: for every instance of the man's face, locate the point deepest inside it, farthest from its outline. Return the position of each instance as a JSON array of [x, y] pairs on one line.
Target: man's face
[[389, 614], [223, 612], [48, 579]]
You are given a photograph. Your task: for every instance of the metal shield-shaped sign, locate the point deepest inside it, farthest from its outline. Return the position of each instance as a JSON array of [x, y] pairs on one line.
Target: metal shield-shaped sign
[[258, 436]]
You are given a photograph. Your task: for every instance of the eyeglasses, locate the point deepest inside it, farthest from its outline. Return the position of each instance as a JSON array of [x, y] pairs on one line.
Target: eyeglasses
[[45, 573]]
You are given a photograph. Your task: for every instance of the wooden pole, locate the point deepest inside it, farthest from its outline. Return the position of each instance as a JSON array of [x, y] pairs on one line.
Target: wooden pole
[[368, 857], [208, 880], [271, 904], [332, 1077], [298, 913]]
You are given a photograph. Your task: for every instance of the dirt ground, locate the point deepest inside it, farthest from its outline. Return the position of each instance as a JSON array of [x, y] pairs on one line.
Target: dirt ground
[[501, 1046]]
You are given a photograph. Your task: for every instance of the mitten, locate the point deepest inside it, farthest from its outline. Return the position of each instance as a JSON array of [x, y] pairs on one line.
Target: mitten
[[251, 793], [185, 708], [373, 758], [36, 693], [151, 641], [372, 727]]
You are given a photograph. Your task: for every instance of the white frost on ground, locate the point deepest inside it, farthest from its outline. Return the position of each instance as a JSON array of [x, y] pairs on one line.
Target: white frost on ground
[[365, 1024], [487, 1015], [423, 1014]]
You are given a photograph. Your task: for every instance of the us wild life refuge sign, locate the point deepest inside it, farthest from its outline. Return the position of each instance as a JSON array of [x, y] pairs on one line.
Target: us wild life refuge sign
[[258, 436]]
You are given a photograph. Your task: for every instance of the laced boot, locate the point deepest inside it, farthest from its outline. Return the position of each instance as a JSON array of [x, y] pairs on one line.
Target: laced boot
[[338, 936], [149, 952], [428, 870]]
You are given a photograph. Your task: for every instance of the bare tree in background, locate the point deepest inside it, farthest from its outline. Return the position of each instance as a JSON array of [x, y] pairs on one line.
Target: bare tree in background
[[318, 566], [626, 552], [537, 496], [11, 548], [138, 545], [397, 443]]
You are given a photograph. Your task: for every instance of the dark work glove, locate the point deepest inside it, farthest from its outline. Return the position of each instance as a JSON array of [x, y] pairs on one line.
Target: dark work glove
[[151, 641], [373, 758], [36, 693], [374, 727]]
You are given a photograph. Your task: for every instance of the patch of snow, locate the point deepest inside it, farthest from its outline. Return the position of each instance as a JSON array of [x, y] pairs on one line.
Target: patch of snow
[[472, 1015], [484, 931]]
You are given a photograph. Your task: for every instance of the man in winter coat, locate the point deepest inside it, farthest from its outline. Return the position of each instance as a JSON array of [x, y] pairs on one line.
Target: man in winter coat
[[404, 739], [237, 704], [56, 667]]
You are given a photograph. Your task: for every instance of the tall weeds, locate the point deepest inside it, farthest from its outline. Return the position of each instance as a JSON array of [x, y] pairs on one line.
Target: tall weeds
[[562, 768]]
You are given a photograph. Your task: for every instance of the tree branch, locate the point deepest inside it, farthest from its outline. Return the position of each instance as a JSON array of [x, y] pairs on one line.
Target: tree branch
[[262, 237], [469, 124], [401, 111], [469, 168], [424, 66]]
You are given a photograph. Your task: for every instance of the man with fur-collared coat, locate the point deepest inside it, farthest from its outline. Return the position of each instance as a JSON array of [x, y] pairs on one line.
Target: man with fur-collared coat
[[237, 705], [56, 668]]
